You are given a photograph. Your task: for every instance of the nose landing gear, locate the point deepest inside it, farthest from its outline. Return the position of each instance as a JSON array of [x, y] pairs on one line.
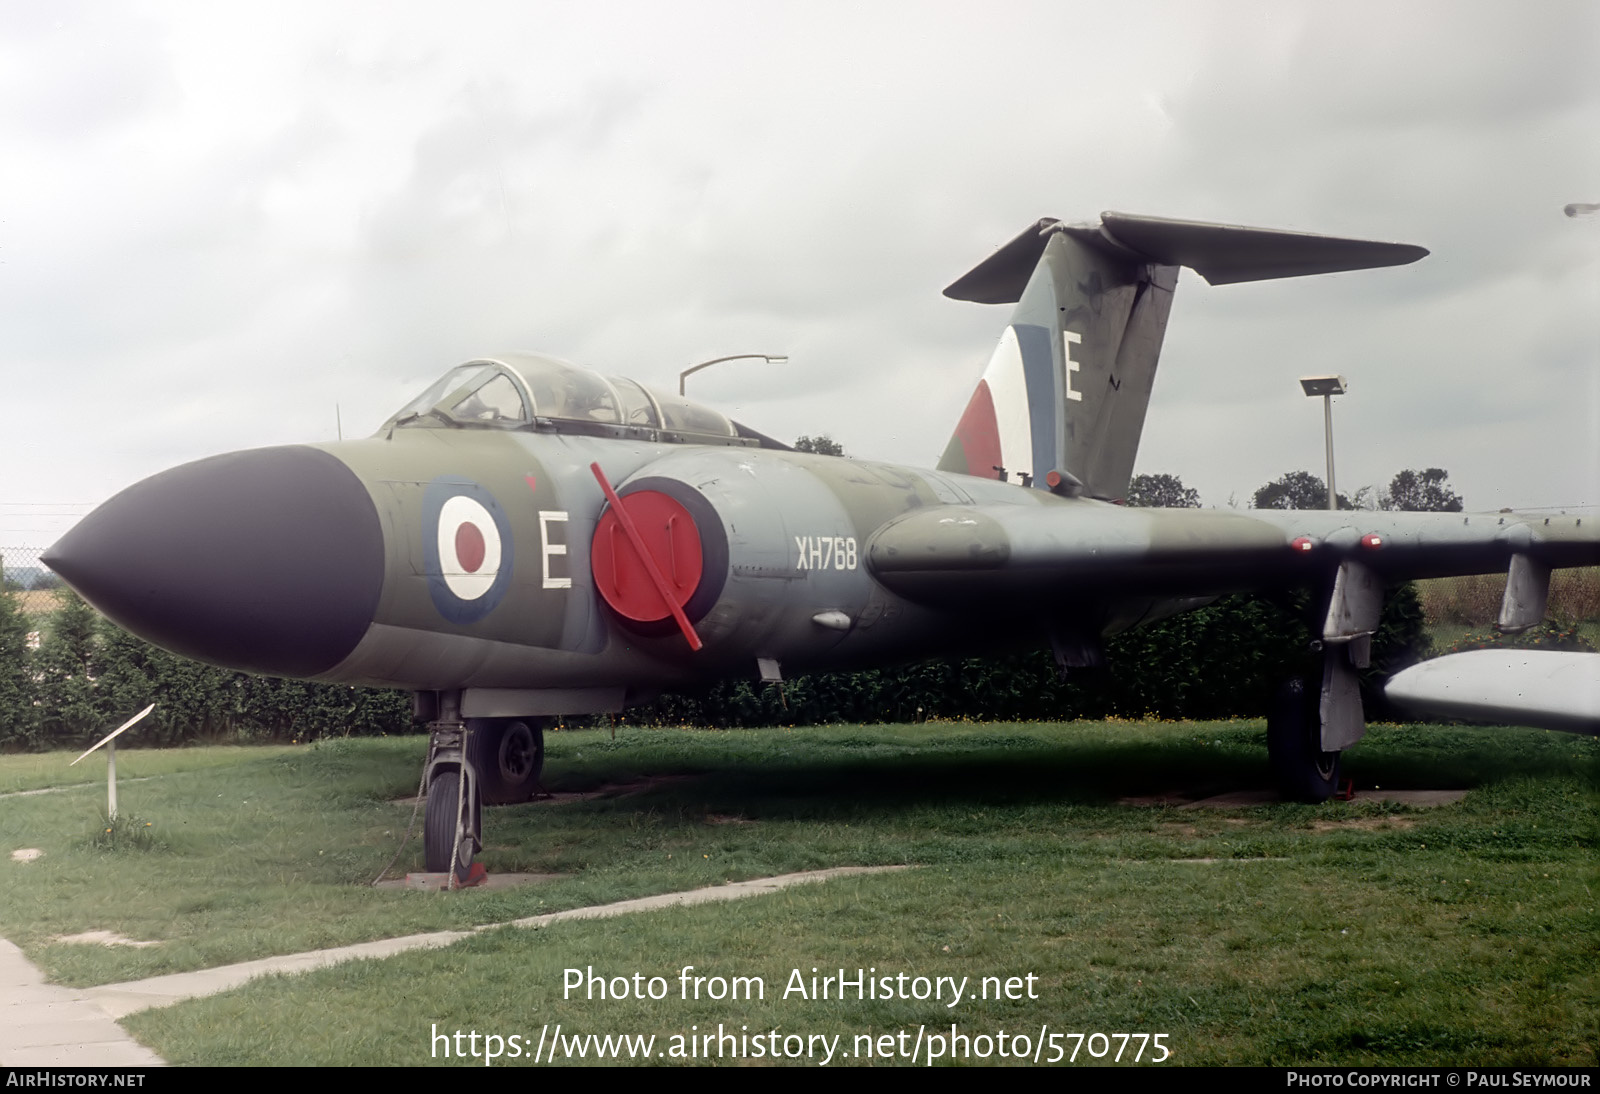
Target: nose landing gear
[[452, 827], [472, 762], [453, 823]]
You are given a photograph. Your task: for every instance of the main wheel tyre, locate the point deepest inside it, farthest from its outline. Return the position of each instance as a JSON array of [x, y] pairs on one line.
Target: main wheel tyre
[[1294, 745], [439, 827], [507, 754]]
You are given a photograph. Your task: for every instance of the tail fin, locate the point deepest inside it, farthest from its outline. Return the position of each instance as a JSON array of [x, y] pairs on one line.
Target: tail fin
[[1062, 402]]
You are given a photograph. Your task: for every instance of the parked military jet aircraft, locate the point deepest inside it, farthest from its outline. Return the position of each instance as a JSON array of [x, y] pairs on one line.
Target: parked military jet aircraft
[[527, 538]]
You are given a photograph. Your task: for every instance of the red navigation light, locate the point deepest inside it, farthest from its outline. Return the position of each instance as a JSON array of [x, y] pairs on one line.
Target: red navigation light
[[1372, 541], [1302, 544]]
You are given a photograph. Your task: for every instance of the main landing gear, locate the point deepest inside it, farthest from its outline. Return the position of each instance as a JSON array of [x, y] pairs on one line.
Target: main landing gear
[[1312, 721], [508, 754], [1302, 770], [472, 762]]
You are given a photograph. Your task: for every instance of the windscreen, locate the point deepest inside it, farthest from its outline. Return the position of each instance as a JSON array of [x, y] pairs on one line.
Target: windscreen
[[458, 378]]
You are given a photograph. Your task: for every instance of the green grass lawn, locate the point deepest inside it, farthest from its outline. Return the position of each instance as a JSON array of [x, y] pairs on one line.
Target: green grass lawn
[[35, 770], [1335, 934]]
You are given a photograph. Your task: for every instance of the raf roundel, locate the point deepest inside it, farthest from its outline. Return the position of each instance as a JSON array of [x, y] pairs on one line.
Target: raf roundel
[[467, 541], [469, 547]]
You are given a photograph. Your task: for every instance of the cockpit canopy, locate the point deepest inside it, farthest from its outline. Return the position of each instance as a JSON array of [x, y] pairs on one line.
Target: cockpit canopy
[[527, 391]]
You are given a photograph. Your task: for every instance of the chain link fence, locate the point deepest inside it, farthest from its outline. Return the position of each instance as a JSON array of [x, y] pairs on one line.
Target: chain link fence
[[23, 570], [34, 589]]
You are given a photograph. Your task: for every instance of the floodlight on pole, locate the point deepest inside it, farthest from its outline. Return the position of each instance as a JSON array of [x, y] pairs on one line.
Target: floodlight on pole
[[1327, 387], [770, 358]]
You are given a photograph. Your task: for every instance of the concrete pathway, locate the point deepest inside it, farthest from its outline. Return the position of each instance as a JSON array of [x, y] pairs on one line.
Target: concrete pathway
[[44, 1025], [74, 786]]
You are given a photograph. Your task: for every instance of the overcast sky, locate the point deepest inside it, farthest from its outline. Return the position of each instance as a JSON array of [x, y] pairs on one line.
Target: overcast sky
[[219, 222]]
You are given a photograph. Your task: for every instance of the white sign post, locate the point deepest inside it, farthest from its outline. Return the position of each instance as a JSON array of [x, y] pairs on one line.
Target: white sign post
[[111, 759]]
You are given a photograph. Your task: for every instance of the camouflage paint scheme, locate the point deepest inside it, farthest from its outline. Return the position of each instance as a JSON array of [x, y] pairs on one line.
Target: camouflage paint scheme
[[337, 562]]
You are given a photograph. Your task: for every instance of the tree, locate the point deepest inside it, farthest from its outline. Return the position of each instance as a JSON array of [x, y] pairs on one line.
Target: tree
[[67, 662], [1162, 492], [18, 716], [1296, 490], [1421, 492], [821, 445]]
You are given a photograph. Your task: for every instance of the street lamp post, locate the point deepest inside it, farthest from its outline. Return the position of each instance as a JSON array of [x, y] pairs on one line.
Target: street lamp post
[[770, 358], [1327, 387]]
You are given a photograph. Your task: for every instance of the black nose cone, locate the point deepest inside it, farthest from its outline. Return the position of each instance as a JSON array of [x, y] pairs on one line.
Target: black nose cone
[[269, 561]]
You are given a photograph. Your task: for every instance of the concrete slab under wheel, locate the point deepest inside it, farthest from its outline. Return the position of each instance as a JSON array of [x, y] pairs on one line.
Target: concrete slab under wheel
[[433, 883]]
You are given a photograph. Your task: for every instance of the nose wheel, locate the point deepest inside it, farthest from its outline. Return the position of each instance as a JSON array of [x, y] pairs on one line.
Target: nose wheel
[[452, 825], [451, 837]]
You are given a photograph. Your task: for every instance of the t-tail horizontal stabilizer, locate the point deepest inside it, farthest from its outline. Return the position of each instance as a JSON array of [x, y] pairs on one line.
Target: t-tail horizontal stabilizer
[[1062, 403]]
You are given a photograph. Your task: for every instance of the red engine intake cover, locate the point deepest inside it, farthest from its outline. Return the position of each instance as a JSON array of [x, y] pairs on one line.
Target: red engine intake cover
[[672, 539]]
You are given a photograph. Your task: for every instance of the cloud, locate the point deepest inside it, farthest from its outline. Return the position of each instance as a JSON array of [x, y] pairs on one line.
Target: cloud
[[216, 224]]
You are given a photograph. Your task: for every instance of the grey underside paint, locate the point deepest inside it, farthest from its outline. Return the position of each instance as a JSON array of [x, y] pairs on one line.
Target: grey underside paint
[[1545, 688]]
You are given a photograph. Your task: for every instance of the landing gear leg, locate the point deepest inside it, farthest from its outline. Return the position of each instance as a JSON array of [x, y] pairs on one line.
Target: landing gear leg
[[1303, 771], [1310, 725], [453, 824]]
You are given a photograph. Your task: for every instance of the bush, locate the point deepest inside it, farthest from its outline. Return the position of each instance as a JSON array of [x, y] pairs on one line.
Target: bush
[[90, 674], [19, 721], [1222, 660]]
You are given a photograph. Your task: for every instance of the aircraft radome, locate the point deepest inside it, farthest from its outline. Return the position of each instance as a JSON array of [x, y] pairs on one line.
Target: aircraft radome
[[528, 539]]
